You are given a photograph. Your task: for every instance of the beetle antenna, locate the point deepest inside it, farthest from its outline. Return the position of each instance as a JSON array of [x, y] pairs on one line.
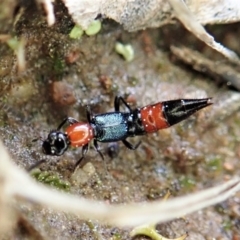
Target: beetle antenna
[[36, 165], [39, 138]]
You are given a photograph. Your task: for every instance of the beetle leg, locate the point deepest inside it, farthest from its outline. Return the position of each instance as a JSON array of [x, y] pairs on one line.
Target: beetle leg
[[129, 145], [95, 143], [84, 152], [89, 114], [69, 120], [117, 104]]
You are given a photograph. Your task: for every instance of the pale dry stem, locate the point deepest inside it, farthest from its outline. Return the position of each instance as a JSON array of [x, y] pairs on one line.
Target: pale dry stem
[[18, 185]]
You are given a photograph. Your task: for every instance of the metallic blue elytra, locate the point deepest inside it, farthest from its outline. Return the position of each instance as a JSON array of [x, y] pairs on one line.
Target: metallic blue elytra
[[110, 127]]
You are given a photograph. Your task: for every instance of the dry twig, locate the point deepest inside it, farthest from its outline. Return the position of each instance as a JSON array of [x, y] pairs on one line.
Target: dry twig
[[18, 185]]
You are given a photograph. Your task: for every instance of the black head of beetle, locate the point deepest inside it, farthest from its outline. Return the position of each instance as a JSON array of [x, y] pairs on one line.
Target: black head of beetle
[[55, 144]]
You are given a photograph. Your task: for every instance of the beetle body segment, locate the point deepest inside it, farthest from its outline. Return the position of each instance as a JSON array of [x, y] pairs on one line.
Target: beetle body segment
[[153, 118], [79, 134], [110, 127], [176, 111], [165, 114]]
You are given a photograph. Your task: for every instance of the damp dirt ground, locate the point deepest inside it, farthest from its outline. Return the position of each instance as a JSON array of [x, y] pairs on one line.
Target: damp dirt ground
[[63, 75]]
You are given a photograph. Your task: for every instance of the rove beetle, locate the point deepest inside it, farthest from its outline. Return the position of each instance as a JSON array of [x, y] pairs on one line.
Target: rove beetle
[[118, 126]]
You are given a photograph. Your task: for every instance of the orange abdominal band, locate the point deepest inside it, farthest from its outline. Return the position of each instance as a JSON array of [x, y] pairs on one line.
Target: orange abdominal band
[[153, 118]]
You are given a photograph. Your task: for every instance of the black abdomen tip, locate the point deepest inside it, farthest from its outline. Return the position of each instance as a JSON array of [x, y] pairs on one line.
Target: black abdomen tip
[[178, 110]]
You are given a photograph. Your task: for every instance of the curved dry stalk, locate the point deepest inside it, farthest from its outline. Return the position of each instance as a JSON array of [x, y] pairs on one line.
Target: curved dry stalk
[[190, 22], [18, 184], [48, 7]]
